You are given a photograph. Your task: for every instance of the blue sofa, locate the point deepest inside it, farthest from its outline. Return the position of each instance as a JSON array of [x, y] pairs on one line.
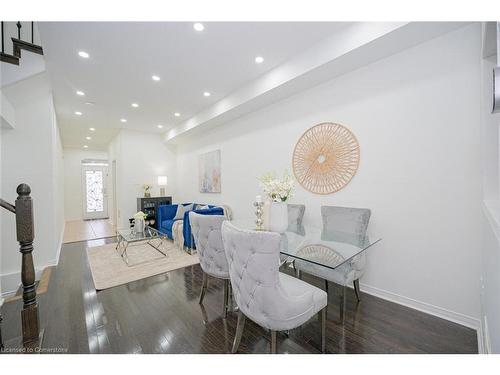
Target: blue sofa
[[166, 213]]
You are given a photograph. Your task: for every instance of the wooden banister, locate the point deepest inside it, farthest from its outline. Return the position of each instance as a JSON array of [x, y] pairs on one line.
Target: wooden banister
[[23, 210]]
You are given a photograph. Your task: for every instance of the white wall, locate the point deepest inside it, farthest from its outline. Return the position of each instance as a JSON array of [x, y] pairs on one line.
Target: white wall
[[416, 116], [140, 158], [490, 275], [31, 153], [73, 194]]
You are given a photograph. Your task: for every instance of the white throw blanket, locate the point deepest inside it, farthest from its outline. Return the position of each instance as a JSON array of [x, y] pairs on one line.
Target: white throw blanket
[[177, 233]]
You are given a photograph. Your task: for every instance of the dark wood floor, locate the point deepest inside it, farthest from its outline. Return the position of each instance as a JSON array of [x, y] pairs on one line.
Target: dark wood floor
[[161, 314]]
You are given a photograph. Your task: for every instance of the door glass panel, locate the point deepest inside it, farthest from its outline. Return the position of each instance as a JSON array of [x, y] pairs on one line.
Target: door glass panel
[[95, 194]]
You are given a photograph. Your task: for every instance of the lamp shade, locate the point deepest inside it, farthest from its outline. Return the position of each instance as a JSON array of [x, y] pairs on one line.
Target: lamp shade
[[162, 180]]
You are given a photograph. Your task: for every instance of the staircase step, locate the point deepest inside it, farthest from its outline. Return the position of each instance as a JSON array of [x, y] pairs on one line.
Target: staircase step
[[5, 57], [21, 44]]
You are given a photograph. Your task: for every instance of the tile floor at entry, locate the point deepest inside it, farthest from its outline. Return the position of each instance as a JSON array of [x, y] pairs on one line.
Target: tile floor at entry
[[84, 230]]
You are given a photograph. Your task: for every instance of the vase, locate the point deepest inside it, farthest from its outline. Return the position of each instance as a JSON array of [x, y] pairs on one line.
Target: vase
[[139, 225], [278, 217], [147, 195]]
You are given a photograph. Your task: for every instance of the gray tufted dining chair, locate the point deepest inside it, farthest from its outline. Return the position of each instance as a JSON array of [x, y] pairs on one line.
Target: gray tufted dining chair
[[206, 231], [272, 299], [342, 224]]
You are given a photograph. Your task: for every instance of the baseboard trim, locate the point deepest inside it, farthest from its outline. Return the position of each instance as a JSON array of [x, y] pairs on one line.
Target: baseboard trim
[[428, 308], [485, 337]]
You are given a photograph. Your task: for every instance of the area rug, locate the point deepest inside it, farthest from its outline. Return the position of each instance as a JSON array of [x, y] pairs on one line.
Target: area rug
[[109, 270]]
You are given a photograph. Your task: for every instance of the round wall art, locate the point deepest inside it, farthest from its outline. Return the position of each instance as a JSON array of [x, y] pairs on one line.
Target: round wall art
[[326, 158]]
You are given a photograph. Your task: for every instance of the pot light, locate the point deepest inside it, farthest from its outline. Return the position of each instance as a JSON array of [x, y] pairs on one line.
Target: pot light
[[160, 126], [155, 78], [198, 26], [92, 129], [90, 103], [135, 105], [81, 93], [78, 113], [85, 146], [177, 114], [88, 138], [123, 120], [83, 54], [259, 59], [206, 93]]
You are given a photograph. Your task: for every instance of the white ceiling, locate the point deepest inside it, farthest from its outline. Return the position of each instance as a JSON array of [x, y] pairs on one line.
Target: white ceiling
[[124, 56]]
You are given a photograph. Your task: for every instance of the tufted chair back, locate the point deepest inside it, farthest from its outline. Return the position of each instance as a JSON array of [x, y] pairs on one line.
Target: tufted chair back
[[206, 231], [253, 259]]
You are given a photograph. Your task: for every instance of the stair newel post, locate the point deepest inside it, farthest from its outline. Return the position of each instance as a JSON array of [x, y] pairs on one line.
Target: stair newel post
[[25, 237], [18, 24]]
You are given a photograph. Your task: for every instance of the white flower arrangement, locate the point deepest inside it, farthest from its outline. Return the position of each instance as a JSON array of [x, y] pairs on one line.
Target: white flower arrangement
[[146, 187], [276, 188], [140, 215]]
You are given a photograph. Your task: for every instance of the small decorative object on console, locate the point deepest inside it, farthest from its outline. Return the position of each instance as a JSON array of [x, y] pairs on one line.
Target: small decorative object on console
[[147, 188]]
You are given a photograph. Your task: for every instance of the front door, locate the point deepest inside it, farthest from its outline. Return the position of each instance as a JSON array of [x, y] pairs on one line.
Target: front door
[[95, 200]]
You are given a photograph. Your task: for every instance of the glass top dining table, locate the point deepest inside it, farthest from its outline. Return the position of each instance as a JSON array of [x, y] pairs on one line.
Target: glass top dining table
[[330, 250]]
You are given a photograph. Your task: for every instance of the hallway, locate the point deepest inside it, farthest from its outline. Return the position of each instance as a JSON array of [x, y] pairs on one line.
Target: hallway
[[83, 230]]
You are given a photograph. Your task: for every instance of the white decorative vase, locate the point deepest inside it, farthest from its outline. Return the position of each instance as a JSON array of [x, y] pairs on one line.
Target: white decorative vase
[[139, 225], [278, 217]]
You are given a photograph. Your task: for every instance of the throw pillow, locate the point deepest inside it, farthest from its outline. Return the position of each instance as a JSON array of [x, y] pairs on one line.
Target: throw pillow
[[181, 210], [200, 207]]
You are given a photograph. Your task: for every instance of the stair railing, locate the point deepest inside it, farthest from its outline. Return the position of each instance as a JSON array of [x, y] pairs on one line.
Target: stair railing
[[19, 44], [23, 209]]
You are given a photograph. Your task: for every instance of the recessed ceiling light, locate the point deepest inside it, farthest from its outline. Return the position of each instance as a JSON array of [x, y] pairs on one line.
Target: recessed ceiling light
[[81, 93], [88, 138], [90, 103], [259, 59], [92, 129], [206, 93], [85, 146], [160, 126], [177, 114], [155, 78], [135, 105], [198, 26], [83, 54], [123, 120], [78, 113]]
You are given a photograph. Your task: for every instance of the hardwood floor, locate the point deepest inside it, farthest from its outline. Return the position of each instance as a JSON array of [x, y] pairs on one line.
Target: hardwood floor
[[161, 314]]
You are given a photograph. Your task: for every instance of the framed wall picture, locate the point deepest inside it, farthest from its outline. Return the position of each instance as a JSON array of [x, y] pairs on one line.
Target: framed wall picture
[[209, 172]]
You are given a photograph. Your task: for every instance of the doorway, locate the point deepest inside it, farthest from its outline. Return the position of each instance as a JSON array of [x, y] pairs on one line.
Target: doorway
[[95, 200]]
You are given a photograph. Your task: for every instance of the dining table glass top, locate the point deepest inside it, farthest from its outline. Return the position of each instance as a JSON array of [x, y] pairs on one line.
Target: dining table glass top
[[310, 244]]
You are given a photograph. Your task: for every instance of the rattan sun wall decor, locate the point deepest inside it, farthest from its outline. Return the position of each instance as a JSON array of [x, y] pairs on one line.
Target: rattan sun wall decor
[[326, 158]]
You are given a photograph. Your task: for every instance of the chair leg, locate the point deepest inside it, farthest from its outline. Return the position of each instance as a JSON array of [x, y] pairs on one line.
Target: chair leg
[[342, 304], [239, 332], [322, 320], [204, 284], [356, 289], [274, 348], [226, 297]]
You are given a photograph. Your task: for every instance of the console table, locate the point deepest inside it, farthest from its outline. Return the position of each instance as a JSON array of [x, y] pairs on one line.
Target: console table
[[150, 206]]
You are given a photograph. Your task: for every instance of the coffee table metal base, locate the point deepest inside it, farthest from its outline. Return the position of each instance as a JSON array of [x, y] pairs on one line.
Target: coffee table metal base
[[122, 246]]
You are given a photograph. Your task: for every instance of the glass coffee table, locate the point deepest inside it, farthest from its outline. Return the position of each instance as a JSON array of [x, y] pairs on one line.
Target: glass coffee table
[[151, 236]]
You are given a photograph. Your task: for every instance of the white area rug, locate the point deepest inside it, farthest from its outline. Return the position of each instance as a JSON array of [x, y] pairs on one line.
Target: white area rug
[[109, 269]]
